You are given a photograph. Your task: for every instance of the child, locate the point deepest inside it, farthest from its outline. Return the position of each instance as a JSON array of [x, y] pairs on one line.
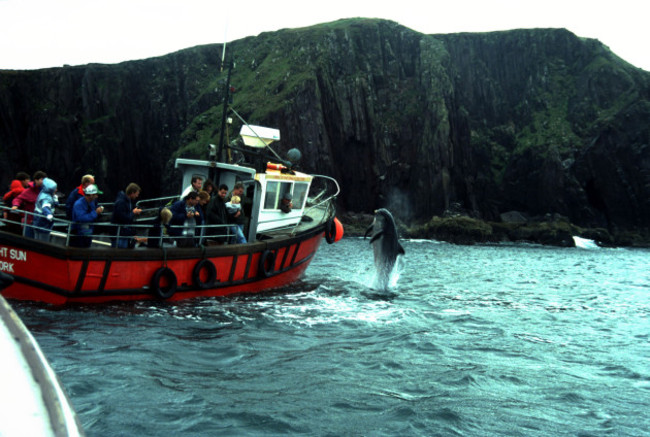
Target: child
[[44, 210], [234, 205], [233, 208]]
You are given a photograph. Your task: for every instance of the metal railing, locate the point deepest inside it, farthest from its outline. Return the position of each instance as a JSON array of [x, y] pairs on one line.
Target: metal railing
[[315, 203], [106, 233]]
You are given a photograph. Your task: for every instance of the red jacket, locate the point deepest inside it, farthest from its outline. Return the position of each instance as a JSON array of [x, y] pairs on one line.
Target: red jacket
[[27, 200], [15, 189]]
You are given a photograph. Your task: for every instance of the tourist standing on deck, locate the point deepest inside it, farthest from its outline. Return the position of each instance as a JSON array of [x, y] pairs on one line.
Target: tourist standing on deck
[[124, 213], [197, 183], [215, 214], [233, 208], [238, 218], [84, 212], [44, 210], [16, 187], [27, 200], [77, 194], [185, 217]]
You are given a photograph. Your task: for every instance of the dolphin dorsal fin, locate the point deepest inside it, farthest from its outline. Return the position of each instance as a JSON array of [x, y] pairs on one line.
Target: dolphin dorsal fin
[[376, 236]]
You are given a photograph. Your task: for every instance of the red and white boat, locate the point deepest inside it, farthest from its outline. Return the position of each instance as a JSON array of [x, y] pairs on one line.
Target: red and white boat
[[279, 249]]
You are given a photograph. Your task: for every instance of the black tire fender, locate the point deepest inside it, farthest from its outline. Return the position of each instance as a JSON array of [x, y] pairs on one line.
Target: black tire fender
[[211, 270], [267, 263], [330, 231], [170, 277]]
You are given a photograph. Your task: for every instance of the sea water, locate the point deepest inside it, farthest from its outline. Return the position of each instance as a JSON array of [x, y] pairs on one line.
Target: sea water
[[516, 340]]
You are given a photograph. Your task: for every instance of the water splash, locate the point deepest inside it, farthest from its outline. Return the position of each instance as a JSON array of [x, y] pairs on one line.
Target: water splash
[[393, 278]]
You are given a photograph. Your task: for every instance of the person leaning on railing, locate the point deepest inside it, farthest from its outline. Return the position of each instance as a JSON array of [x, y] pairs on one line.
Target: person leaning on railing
[[27, 200], [44, 210], [17, 186], [84, 213], [124, 214]]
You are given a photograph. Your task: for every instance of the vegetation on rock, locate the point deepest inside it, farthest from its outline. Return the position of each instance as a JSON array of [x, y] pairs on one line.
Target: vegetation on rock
[[537, 121]]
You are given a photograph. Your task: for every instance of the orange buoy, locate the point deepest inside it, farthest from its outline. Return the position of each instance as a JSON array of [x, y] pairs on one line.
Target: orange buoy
[[333, 231], [339, 229], [272, 166]]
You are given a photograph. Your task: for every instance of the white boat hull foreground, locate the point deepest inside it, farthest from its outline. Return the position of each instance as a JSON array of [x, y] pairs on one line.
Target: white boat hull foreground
[[32, 402]]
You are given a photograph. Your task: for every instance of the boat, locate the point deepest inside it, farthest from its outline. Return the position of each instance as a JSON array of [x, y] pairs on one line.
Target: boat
[[33, 401], [280, 245]]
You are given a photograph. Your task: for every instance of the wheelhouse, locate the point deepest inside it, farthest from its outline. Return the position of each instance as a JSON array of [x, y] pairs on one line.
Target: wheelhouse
[[264, 191]]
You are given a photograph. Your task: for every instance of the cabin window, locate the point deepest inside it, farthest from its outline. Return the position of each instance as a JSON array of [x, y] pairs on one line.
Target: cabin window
[[299, 195], [271, 195], [274, 193]]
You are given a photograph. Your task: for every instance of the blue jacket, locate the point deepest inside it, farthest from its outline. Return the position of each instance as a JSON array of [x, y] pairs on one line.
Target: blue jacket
[[83, 215], [123, 215], [45, 203], [75, 195], [179, 215]]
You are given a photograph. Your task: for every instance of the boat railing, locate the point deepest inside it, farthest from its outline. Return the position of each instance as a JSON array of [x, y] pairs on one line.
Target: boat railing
[[321, 206], [149, 206], [106, 233]]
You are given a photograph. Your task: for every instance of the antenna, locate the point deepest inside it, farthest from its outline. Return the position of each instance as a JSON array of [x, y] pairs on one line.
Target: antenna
[[225, 38]]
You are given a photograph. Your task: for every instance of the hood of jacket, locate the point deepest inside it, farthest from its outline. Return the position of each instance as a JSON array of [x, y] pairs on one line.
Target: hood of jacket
[[15, 189], [49, 186]]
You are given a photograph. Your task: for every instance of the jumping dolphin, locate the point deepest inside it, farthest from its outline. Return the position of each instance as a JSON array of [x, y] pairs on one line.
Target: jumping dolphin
[[385, 246]]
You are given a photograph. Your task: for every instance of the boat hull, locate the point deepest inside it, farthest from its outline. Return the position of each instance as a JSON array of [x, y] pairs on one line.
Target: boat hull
[[61, 275]]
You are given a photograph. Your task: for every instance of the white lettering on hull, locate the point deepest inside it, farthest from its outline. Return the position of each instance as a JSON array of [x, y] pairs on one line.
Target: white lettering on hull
[[11, 254]]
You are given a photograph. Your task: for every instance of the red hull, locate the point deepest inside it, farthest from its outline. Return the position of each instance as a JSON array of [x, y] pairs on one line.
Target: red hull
[[60, 275]]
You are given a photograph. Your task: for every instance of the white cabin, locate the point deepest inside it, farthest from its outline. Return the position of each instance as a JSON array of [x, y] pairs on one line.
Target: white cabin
[[263, 190]]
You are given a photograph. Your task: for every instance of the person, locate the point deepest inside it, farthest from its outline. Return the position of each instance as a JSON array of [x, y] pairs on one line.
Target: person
[[233, 208], [16, 187], [77, 194], [215, 214], [27, 200], [204, 199], [185, 217], [84, 212], [44, 210], [160, 225], [124, 213], [285, 204], [238, 218], [195, 186], [208, 187]]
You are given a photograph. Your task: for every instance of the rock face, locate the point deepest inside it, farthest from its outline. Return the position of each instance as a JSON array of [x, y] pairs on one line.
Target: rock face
[[536, 121]]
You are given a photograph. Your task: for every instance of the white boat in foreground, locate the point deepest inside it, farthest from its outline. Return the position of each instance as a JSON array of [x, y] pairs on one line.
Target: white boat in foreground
[[33, 402]]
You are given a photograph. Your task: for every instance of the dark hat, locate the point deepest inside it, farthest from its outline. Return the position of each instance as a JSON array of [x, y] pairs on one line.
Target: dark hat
[[287, 196]]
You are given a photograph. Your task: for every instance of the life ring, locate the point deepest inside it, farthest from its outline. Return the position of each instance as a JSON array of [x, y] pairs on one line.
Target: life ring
[[164, 291], [330, 231], [267, 263], [211, 271]]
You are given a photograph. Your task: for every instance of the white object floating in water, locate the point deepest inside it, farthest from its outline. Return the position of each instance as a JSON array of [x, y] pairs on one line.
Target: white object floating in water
[[583, 243]]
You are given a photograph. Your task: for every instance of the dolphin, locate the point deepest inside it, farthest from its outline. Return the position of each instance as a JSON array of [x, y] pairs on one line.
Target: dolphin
[[385, 246]]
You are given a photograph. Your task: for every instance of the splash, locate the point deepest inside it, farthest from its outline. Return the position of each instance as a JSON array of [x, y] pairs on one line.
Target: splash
[[393, 278]]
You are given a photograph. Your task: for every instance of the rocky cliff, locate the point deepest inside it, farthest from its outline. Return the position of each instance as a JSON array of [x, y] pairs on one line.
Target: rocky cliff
[[538, 121]]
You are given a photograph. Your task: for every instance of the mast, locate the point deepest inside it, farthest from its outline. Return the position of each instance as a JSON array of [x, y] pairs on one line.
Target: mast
[[226, 100]]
